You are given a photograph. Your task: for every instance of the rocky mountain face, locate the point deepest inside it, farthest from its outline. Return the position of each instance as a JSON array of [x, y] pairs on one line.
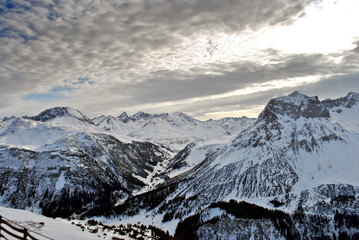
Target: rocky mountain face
[[291, 173], [75, 173], [288, 146]]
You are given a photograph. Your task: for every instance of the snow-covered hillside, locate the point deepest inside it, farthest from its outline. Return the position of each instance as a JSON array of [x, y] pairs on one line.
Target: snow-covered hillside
[[43, 227]]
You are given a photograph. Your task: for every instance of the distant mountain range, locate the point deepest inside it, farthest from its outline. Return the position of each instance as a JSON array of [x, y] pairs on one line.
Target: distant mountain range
[[291, 173]]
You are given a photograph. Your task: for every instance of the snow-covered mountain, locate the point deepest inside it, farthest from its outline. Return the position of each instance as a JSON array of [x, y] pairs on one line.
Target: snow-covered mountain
[[61, 162], [45, 128], [293, 145], [291, 173], [173, 131], [301, 155], [61, 115]]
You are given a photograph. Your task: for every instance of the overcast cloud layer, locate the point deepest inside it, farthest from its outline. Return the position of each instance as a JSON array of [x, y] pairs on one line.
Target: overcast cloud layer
[[207, 58]]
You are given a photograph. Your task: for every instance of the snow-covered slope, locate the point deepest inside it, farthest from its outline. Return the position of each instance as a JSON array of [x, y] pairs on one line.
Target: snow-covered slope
[[345, 111], [43, 227], [45, 128], [31, 134]]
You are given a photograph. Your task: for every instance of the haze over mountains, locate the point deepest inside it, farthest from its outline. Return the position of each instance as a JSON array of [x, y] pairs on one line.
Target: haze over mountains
[[296, 165]]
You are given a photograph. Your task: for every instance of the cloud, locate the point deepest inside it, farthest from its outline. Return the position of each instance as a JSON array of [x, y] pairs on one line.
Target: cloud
[[137, 53], [334, 86], [166, 87]]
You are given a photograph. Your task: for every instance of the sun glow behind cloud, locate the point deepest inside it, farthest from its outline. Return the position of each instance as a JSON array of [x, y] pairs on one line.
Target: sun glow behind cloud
[[326, 28]]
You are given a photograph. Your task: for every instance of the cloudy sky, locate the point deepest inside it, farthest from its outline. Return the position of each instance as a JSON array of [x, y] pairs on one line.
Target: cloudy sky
[[207, 58]]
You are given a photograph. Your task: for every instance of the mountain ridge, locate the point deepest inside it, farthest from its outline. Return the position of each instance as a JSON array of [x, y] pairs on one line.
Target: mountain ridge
[[299, 156]]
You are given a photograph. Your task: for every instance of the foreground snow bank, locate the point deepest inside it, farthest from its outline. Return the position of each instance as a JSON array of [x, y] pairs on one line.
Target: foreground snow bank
[[59, 229]]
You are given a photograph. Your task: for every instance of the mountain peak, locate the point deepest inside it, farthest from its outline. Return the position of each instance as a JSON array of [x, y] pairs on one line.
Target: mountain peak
[[123, 117], [298, 98], [297, 94], [294, 105], [160, 115], [348, 101], [351, 98], [141, 115], [183, 116], [353, 95], [8, 118], [56, 112]]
